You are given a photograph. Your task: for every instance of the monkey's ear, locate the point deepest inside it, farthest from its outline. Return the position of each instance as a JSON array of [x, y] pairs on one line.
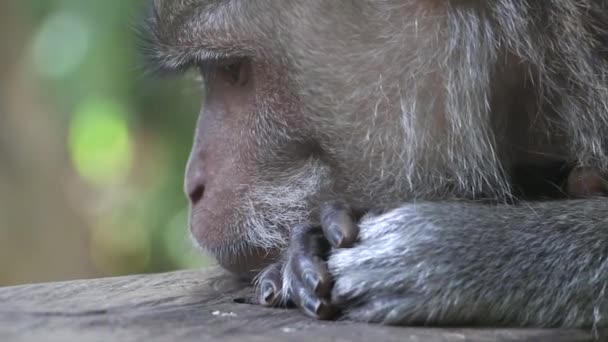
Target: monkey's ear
[[179, 34]]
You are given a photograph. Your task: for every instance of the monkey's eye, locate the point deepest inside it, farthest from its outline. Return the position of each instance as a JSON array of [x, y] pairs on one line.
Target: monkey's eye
[[234, 72], [237, 73]]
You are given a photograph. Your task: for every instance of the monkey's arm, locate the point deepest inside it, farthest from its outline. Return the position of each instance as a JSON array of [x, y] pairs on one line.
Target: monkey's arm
[[541, 264], [538, 263]]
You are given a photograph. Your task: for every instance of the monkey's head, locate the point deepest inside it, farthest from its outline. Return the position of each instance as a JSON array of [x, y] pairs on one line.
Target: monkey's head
[[305, 101]]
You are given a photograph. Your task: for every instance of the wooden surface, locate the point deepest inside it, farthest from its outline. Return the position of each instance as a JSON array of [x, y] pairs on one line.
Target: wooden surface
[[196, 306]]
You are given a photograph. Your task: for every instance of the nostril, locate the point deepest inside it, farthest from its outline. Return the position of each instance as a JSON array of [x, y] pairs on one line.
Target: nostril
[[196, 193]]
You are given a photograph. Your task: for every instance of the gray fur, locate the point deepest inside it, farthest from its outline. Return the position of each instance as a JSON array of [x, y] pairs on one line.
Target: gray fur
[[542, 264], [425, 107]]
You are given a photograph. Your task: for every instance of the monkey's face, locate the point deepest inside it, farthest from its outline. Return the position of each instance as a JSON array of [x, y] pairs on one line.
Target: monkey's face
[[252, 172], [298, 97]]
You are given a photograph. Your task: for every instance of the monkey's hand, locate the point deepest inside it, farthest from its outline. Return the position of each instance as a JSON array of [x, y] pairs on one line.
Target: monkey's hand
[[537, 264], [453, 263], [302, 277]]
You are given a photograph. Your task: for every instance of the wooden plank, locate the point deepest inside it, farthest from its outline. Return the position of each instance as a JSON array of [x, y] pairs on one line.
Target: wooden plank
[[197, 306]]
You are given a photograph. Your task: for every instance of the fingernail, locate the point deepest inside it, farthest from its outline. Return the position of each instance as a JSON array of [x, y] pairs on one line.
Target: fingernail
[[336, 236], [268, 293], [313, 306], [312, 281]]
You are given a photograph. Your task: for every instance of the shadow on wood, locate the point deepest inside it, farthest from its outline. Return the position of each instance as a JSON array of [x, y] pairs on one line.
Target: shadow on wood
[[197, 306]]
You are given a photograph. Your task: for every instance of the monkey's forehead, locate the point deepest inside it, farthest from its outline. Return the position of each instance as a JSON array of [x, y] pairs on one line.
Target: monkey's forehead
[[179, 33], [213, 20]]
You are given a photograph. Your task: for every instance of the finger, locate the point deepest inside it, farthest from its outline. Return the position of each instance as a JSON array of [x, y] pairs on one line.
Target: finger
[[312, 305], [306, 263], [269, 286], [339, 225]]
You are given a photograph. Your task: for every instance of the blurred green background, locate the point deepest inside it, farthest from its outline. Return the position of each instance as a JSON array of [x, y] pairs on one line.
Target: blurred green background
[[92, 148]]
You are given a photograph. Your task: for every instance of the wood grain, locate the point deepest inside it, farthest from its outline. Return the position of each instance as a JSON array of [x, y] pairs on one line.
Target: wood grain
[[197, 306]]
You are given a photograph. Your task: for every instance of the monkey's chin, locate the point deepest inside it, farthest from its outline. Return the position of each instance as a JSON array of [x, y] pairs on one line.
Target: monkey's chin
[[244, 262], [233, 252]]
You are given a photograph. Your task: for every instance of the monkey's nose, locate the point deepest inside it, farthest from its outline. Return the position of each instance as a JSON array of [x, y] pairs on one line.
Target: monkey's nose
[[196, 193], [195, 187]]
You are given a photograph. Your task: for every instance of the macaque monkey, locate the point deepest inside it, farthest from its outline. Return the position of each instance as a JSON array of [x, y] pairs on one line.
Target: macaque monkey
[[360, 158]]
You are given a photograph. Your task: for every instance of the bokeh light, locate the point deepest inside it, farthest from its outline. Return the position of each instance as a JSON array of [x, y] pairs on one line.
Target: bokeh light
[[100, 143], [61, 45]]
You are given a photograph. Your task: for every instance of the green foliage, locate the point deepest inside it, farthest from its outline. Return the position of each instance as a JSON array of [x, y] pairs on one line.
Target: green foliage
[[127, 133]]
